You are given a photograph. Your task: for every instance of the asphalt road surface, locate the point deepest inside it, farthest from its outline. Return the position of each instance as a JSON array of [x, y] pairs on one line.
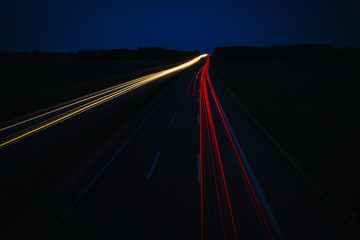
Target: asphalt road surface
[[187, 166]]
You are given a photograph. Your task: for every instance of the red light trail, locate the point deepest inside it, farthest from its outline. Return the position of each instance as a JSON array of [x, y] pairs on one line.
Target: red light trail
[[193, 78], [211, 149], [210, 158]]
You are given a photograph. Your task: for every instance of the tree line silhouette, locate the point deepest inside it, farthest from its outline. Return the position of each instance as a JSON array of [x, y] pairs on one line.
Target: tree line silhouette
[[152, 53], [290, 52]]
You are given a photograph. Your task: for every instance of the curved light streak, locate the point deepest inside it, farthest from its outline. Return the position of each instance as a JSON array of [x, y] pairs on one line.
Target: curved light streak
[[95, 99]]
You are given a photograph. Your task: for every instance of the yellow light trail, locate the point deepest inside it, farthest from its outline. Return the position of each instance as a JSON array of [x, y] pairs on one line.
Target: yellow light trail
[[95, 99]]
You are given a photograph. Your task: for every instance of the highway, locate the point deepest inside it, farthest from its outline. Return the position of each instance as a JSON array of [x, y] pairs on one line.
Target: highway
[[187, 165]]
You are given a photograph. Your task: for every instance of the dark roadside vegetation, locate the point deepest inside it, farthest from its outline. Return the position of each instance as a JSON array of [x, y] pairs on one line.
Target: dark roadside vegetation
[[306, 97], [36, 80]]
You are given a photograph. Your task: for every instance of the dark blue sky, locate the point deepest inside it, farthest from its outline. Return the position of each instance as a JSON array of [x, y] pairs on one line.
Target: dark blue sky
[[71, 25]]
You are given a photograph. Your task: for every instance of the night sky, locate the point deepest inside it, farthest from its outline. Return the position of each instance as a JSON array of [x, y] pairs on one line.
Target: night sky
[[71, 25]]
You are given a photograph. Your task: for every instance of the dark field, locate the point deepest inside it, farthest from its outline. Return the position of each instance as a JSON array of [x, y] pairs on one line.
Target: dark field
[[31, 85], [311, 109]]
